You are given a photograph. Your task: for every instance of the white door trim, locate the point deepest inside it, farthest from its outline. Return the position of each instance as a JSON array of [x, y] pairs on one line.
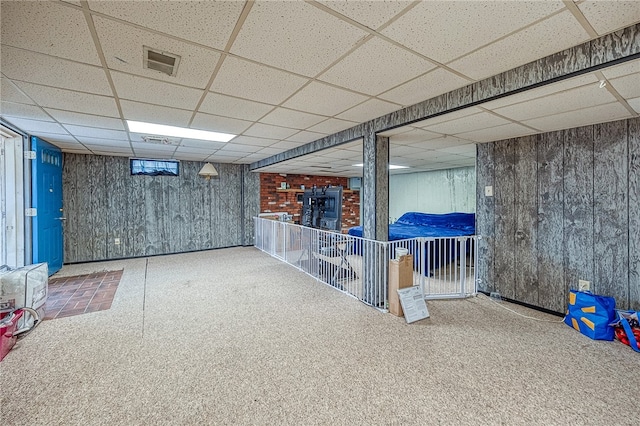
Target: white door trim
[[12, 252]]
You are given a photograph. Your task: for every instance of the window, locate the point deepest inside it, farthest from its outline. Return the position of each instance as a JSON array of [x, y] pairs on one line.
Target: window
[[155, 167]]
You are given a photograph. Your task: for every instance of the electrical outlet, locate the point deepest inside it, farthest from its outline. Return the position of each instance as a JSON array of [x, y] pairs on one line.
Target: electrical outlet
[[488, 191], [116, 241], [584, 285]]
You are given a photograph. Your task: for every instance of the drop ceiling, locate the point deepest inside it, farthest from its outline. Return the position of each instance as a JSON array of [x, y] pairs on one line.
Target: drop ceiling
[[282, 74]]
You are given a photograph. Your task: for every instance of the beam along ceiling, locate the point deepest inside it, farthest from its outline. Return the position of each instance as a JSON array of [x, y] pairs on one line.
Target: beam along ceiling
[[282, 74]]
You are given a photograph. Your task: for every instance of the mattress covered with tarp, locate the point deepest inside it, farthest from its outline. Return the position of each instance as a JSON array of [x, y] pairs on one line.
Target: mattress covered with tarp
[[416, 224]]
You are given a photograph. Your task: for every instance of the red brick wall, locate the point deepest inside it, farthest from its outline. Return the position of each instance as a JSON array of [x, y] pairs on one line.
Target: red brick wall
[[272, 200]]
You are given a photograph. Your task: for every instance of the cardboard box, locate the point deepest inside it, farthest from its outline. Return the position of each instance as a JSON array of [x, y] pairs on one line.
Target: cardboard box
[[400, 276]]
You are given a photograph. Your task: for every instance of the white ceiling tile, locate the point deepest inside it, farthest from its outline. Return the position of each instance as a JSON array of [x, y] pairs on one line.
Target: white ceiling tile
[[138, 111], [255, 82], [524, 46], [253, 141], [413, 136], [627, 86], [109, 150], [335, 153], [10, 109], [123, 48], [465, 112], [398, 130], [68, 117], [69, 100], [151, 147], [189, 156], [332, 125], [442, 142], [250, 158], [284, 145], [227, 106], [570, 100], [368, 110], [445, 30], [323, 99], [582, 117], [604, 18], [302, 38], [269, 151], [372, 14], [539, 92], [141, 89], [59, 139], [367, 71], [9, 92], [470, 123], [306, 137], [94, 132], [186, 150], [505, 131], [104, 144], [200, 144], [468, 150], [635, 104], [291, 118], [215, 123], [23, 65], [90, 141], [48, 27], [115, 153], [229, 155], [403, 150], [35, 126], [627, 68], [79, 150], [430, 85], [236, 148], [205, 22], [270, 132]]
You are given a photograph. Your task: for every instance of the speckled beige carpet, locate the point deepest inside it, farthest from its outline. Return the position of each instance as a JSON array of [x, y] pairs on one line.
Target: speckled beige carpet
[[234, 336]]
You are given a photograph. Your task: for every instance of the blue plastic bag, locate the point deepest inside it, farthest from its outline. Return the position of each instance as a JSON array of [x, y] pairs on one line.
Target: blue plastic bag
[[591, 314]]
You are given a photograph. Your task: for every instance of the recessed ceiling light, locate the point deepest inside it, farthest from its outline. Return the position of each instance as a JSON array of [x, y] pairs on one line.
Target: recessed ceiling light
[[177, 132], [391, 166]]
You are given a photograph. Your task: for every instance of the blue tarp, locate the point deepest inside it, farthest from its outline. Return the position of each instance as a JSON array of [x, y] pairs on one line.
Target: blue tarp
[[415, 224]]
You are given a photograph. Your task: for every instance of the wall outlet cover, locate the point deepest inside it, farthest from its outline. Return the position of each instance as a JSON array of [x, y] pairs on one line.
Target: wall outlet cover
[[488, 191], [584, 285]]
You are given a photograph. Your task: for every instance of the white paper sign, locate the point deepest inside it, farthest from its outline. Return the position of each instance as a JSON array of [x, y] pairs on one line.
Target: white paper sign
[[413, 304]]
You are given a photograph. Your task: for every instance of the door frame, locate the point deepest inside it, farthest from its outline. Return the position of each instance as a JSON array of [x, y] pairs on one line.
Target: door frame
[[12, 199]]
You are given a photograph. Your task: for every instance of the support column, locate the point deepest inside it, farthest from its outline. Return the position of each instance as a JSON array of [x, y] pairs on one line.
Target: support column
[[375, 216], [375, 190]]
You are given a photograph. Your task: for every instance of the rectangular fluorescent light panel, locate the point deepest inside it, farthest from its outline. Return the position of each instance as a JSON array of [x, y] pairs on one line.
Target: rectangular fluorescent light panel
[[391, 166], [177, 132]]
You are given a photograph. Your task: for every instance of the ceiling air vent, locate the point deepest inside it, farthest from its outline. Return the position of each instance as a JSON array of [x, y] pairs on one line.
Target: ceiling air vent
[[159, 140], [166, 63]]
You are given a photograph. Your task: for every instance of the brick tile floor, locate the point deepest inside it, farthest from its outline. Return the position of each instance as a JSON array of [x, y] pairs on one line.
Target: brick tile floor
[[81, 294]]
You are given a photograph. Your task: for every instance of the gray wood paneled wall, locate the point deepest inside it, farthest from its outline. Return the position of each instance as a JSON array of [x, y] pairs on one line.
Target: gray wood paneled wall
[[566, 206], [153, 214]]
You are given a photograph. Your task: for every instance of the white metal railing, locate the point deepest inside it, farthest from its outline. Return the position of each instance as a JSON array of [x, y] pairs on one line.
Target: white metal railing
[[443, 267]]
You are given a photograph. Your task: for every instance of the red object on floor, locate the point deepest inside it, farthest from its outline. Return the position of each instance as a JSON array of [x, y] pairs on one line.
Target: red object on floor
[[8, 325]]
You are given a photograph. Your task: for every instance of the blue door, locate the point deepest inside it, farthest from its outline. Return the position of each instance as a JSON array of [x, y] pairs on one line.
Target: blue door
[[46, 199]]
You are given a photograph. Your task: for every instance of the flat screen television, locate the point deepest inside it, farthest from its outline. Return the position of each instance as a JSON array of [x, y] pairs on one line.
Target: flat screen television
[[322, 208], [154, 167]]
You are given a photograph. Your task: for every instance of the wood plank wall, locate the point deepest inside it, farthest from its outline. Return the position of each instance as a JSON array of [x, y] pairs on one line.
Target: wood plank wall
[[153, 214], [566, 206]]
